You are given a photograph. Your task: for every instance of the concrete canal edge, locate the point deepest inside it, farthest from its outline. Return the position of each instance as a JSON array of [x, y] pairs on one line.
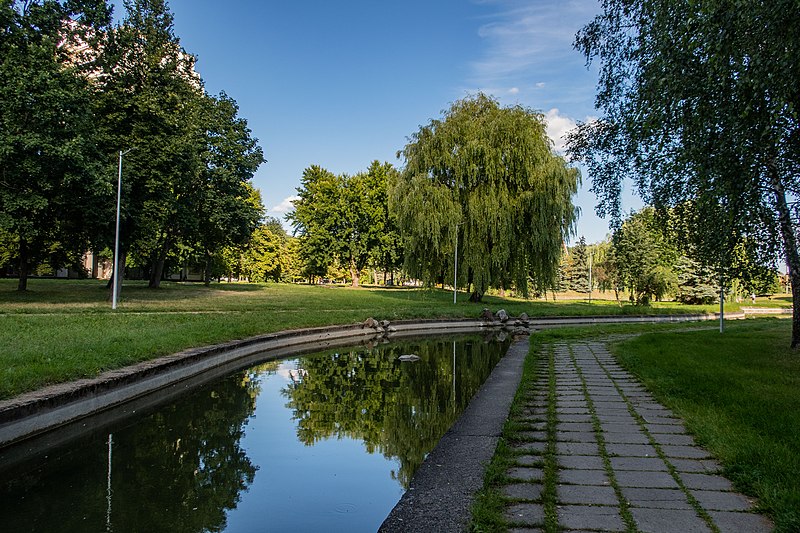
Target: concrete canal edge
[[442, 491], [121, 391]]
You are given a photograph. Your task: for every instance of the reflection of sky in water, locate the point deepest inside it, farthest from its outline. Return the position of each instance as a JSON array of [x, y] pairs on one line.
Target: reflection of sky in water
[[230, 455], [298, 488]]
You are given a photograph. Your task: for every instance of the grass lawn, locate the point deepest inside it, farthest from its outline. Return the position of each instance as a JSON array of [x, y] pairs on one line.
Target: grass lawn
[[739, 394], [60, 330]]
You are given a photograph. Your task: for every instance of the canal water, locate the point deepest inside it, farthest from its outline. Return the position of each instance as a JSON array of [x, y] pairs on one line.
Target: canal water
[[321, 442]]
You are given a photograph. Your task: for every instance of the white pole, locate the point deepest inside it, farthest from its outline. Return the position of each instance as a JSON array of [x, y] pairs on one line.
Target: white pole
[[115, 273], [108, 485]]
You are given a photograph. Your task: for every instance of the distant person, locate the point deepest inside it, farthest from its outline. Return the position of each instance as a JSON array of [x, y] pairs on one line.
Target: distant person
[[753, 297]]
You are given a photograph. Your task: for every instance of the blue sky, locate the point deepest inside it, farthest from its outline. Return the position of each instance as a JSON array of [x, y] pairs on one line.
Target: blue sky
[[339, 84]]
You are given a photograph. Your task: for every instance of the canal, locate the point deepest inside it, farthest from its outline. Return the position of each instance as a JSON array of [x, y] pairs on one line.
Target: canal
[[321, 442]]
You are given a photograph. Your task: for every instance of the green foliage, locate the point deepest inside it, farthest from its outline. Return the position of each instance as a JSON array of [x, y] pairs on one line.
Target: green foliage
[[578, 273], [696, 284], [345, 219], [738, 395], [698, 103], [485, 179], [643, 258], [50, 182], [396, 409]]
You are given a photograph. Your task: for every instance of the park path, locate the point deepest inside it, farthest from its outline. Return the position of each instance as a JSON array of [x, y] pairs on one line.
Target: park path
[[613, 459]]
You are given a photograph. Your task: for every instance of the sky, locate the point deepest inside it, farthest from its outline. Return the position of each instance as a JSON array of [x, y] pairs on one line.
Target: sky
[[340, 84]]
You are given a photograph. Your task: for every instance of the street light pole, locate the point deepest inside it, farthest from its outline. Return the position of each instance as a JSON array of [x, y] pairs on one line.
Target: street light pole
[[115, 273]]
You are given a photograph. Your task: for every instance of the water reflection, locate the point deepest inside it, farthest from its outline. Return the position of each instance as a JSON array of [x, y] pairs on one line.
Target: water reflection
[[285, 445]]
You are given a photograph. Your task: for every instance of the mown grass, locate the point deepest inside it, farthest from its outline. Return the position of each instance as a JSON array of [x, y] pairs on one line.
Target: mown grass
[[739, 394], [61, 330]]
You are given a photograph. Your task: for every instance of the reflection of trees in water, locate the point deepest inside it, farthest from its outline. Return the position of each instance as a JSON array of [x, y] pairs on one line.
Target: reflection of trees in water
[[177, 470], [399, 409]]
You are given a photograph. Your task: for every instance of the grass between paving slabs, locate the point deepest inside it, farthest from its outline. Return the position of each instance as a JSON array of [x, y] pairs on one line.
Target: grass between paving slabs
[[738, 393], [60, 330], [490, 504]]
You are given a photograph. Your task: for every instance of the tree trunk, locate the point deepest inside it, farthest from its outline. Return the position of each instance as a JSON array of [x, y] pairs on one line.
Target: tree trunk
[[158, 268], [353, 273], [207, 270], [24, 266], [790, 246]]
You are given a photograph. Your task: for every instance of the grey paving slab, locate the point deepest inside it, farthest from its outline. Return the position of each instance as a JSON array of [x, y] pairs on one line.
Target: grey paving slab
[[577, 448], [525, 473], [707, 466], [731, 522], [668, 521], [617, 427], [706, 481], [582, 462], [625, 438], [656, 498], [673, 438], [586, 495], [531, 435], [574, 418], [631, 450], [575, 436], [665, 428], [526, 514], [529, 447], [575, 426], [684, 452], [645, 479], [523, 491], [526, 530], [596, 518], [713, 500], [529, 460], [583, 477], [652, 464]]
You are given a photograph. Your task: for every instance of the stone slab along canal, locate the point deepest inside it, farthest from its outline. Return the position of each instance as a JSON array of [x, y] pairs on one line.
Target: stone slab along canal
[[320, 442]]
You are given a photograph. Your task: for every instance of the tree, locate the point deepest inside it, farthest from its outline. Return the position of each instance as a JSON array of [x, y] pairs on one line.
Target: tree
[[150, 99], [643, 258], [50, 181], [343, 218], [485, 179], [698, 102], [579, 271], [315, 219], [696, 283]]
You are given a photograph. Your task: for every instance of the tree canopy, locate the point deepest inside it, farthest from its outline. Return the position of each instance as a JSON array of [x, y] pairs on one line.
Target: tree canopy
[[50, 176], [484, 178], [698, 102]]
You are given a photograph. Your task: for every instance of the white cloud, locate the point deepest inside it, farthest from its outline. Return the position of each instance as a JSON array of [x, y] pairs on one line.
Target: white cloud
[[285, 206], [514, 90], [525, 38], [557, 127], [540, 85]]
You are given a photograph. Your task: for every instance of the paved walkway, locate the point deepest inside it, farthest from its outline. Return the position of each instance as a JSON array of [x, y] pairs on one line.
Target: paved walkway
[[615, 459]]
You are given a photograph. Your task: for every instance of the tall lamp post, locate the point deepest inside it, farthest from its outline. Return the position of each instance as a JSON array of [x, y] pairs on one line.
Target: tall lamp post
[[115, 273]]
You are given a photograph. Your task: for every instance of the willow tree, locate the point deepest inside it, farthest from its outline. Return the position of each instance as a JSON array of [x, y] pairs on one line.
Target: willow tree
[[485, 179]]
